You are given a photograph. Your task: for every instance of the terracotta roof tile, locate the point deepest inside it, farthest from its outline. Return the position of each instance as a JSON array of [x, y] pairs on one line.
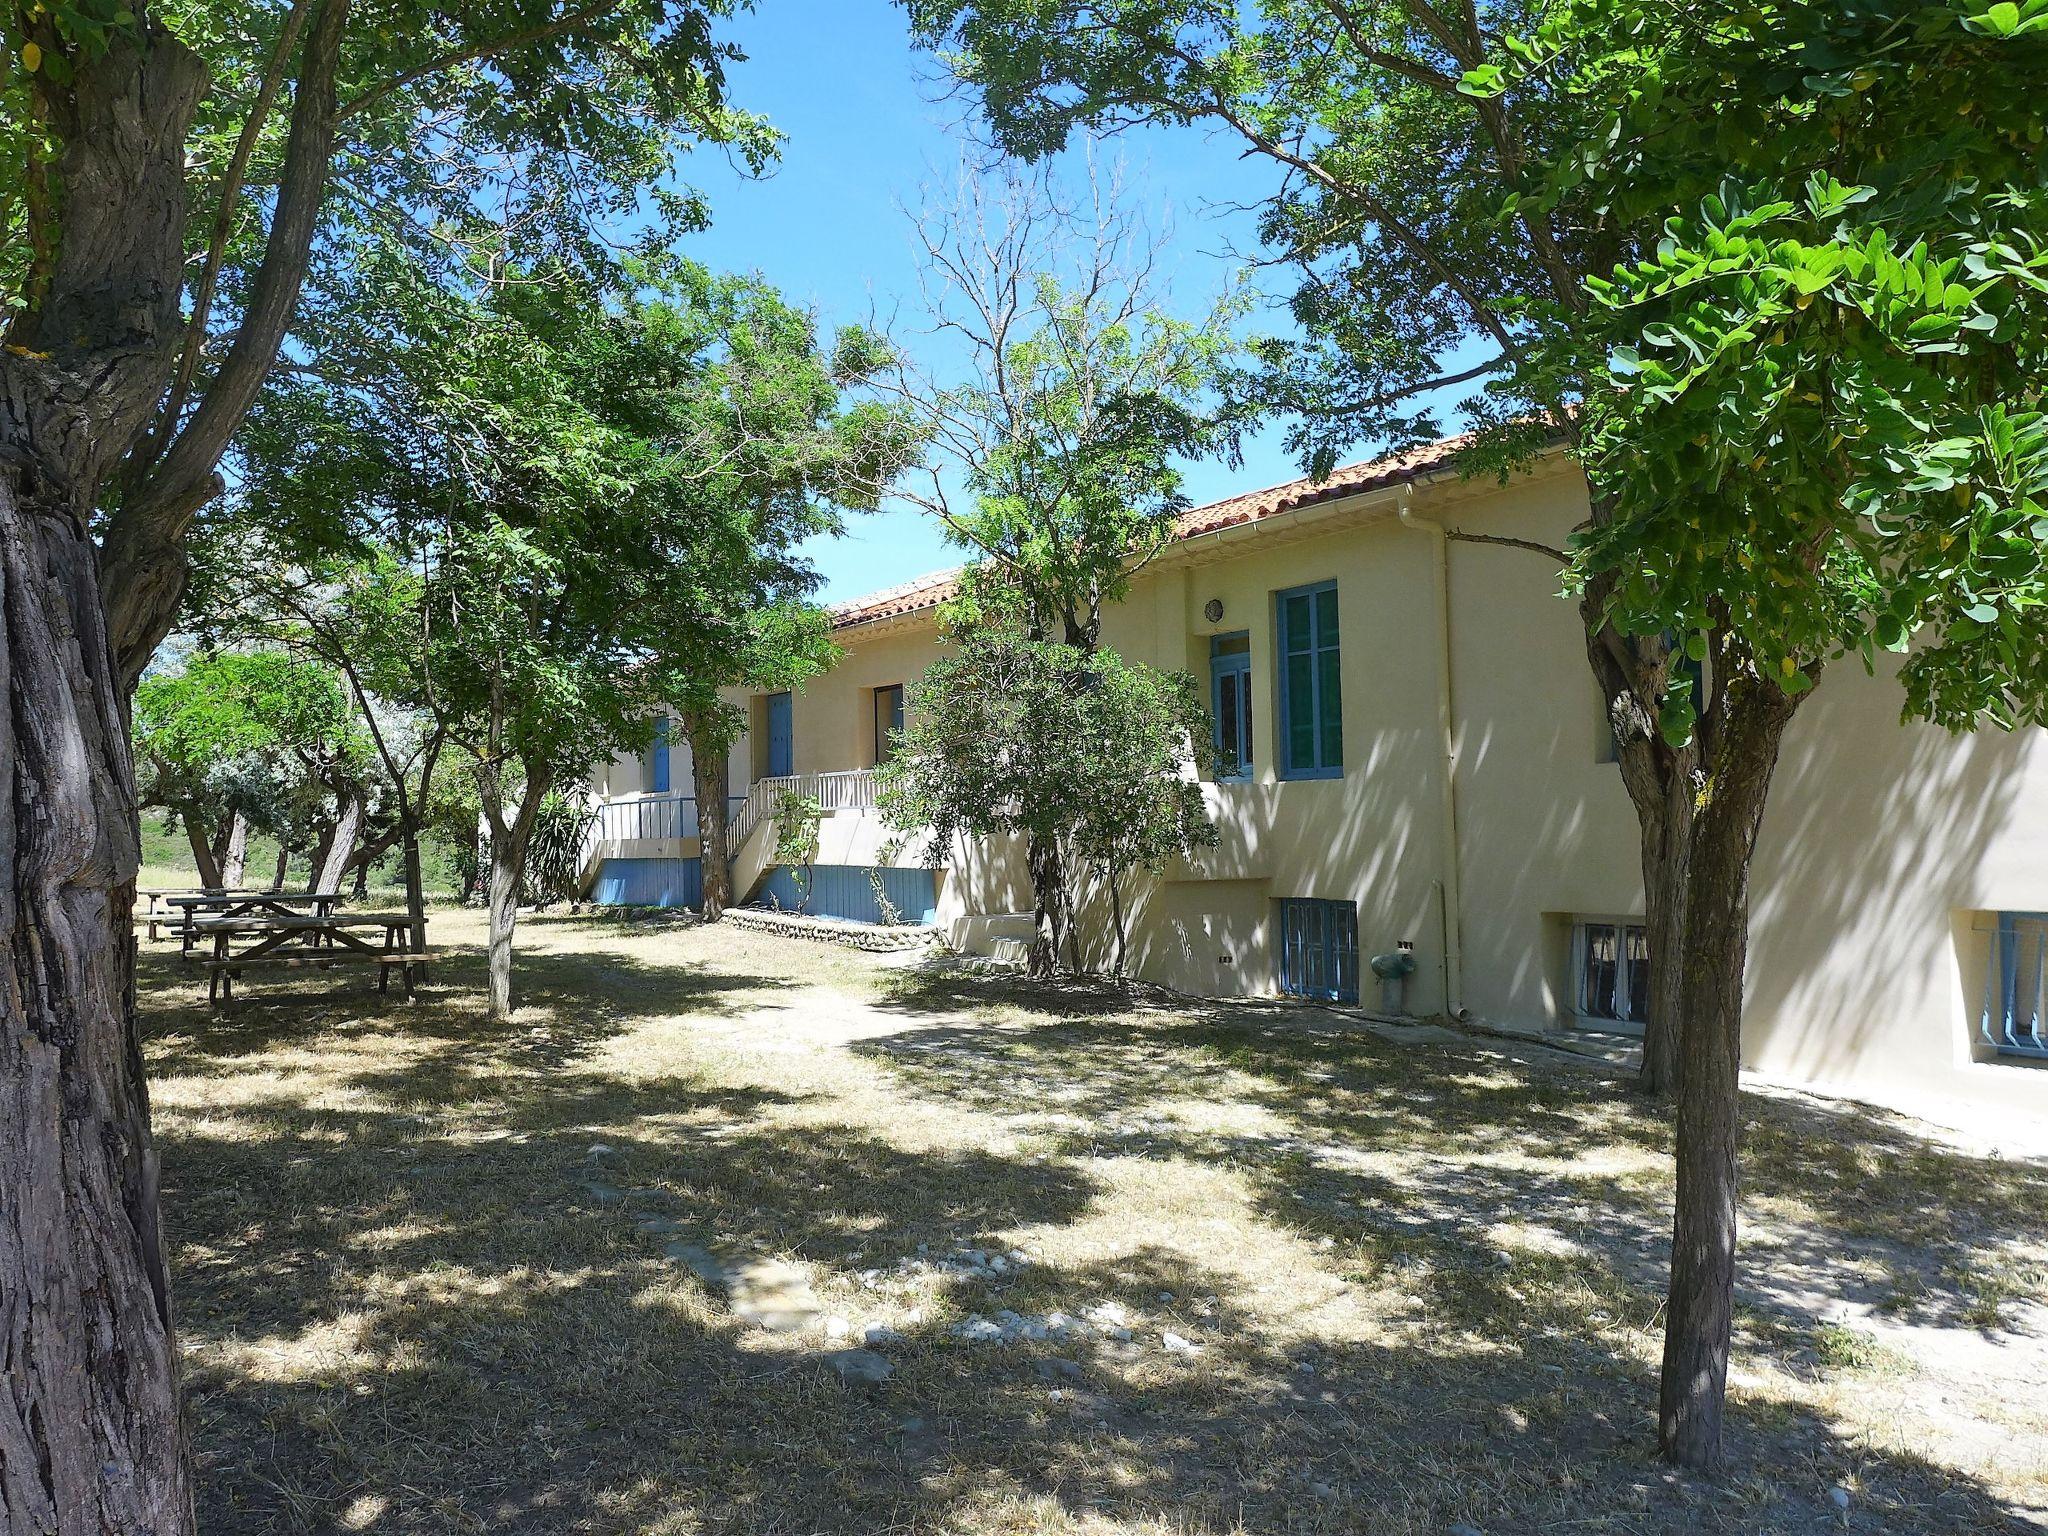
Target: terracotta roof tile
[[929, 591]]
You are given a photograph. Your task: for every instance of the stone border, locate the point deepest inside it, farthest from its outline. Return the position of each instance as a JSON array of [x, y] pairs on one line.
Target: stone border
[[873, 937]]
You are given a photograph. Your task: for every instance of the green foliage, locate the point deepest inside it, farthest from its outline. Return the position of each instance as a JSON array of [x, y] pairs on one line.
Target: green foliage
[[798, 819], [1819, 423], [261, 733], [552, 509], [1388, 189], [1010, 736], [461, 121], [554, 850]]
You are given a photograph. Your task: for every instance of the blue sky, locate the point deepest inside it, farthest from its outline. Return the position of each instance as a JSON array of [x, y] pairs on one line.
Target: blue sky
[[866, 128]]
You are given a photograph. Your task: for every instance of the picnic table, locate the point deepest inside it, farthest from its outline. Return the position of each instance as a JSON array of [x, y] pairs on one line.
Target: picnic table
[[271, 938], [191, 906], [156, 900]]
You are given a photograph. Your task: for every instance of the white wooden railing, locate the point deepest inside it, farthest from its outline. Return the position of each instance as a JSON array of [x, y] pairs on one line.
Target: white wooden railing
[[851, 789]]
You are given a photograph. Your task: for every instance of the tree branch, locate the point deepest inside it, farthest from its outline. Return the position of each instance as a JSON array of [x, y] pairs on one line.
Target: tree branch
[[231, 183], [1510, 543], [470, 55]]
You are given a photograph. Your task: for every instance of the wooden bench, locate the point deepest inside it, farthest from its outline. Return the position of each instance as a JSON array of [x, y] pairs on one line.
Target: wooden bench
[[222, 972]]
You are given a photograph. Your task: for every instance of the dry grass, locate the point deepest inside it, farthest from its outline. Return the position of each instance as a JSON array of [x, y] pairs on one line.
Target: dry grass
[[1424, 1279]]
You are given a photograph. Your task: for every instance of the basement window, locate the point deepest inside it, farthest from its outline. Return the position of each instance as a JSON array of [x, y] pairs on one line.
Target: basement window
[[1610, 970]]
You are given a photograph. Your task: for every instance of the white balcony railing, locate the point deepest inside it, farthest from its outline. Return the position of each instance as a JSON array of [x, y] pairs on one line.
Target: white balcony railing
[[851, 789]]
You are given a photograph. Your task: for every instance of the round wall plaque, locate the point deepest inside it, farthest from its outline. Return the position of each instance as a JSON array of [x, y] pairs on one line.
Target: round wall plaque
[[1213, 610]]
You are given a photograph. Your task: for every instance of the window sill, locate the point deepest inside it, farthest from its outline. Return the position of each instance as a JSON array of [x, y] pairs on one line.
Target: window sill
[[1311, 775]]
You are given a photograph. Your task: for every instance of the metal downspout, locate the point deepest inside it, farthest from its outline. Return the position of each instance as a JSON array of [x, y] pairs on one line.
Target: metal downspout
[[1451, 894]]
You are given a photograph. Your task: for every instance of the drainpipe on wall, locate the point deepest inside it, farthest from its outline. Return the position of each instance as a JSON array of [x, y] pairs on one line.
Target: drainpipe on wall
[[1449, 893]]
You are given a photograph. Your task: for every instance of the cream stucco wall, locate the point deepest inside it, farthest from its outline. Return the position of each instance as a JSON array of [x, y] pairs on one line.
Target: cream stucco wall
[[1882, 846]]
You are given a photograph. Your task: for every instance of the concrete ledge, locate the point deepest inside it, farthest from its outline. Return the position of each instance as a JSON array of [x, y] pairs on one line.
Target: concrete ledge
[[873, 937]]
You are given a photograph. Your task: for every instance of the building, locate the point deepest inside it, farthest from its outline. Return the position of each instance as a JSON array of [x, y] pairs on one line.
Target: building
[[1438, 772]]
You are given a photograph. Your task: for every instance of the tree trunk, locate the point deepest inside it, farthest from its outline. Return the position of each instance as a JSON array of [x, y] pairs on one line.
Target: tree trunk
[[509, 840], [1116, 908], [341, 842], [234, 864], [415, 886], [89, 1436], [1739, 756], [1667, 832], [284, 863], [508, 869], [711, 774], [202, 850], [1043, 862], [1661, 783]]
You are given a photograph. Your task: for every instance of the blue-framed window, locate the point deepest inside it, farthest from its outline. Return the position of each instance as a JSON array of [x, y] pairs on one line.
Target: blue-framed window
[[2014, 1020], [1311, 684], [888, 721], [1230, 700], [657, 758], [1318, 949], [1611, 970]]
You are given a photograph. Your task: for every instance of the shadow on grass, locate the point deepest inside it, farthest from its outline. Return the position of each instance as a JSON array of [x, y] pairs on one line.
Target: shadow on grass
[[423, 1288], [1842, 1203]]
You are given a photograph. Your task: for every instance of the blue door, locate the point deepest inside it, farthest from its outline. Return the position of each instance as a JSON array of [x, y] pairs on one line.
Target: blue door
[[780, 747]]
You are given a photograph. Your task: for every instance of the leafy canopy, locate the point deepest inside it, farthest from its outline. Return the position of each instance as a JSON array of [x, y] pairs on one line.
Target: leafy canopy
[[1010, 736], [1819, 420]]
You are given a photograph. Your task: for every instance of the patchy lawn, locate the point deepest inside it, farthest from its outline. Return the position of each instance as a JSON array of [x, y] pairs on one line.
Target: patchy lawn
[[1135, 1266]]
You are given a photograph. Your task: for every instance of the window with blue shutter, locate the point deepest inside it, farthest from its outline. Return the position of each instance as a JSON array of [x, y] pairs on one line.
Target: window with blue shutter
[[1311, 708], [658, 758]]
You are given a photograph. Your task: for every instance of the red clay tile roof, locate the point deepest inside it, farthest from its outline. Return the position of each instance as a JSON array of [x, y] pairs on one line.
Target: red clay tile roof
[[929, 591]]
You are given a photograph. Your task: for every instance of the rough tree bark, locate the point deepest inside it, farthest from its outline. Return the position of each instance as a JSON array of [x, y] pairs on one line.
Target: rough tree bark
[[1661, 782], [89, 1438], [1042, 860], [333, 862], [1739, 751], [284, 864], [710, 773], [509, 839], [234, 859], [202, 849]]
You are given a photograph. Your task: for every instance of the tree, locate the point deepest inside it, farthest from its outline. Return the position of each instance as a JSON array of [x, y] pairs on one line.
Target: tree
[[564, 504], [145, 298], [1820, 435], [1482, 172], [1056, 454], [250, 739], [1086, 757]]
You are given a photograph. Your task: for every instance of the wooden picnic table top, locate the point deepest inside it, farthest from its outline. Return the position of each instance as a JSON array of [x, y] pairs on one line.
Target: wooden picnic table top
[[243, 898], [286, 922]]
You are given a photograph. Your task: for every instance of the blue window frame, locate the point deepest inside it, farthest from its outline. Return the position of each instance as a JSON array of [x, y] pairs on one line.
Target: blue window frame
[[658, 758], [1318, 949], [1230, 700], [1311, 705], [781, 737], [2015, 1017], [888, 721]]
